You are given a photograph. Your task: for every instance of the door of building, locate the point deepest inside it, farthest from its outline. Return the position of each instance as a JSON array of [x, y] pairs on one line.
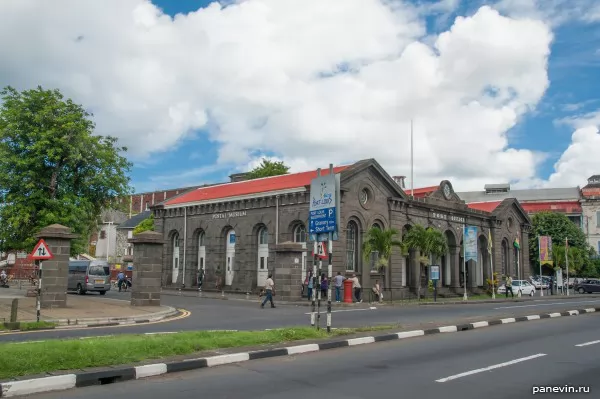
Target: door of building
[[230, 255]]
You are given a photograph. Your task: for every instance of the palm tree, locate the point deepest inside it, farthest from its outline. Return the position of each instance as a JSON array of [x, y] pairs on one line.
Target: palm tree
[[428, 242], [382, 242]]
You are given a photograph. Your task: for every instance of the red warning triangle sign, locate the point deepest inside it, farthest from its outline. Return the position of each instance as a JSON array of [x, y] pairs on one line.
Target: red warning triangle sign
[[41, 251], [322, 250]]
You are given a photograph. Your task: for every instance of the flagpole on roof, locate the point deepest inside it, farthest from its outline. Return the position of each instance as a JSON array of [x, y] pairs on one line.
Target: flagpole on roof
[[412, 163]]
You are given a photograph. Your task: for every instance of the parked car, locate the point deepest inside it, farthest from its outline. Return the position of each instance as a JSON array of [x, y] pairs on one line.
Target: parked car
[[89, 276], [539, 284], [587, 286], [522, 286]]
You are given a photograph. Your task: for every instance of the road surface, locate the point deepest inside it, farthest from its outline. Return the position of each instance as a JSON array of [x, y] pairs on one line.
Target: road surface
[[216, 314], [502, 362]]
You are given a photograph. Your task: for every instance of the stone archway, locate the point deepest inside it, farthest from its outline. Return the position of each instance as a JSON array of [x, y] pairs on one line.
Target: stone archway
[[449, 268], [482, 272]]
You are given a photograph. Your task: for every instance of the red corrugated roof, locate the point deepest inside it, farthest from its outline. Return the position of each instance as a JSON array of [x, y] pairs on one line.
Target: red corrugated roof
[[249, 187], [484, 206], [422, 191]]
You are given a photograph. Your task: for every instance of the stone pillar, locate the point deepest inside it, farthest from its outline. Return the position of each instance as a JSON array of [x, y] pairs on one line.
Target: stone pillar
[[456, 266], [147, 268], [288, 271], [55, 272]]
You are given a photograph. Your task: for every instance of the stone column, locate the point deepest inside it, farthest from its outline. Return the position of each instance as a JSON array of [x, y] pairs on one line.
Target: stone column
[[288, 271], [55, 272], [147, 268], [456, 266]]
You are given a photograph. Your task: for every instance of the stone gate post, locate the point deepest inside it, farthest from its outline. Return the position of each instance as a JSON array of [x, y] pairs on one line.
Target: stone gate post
[[288, 271], [55, 271], [147, 268]]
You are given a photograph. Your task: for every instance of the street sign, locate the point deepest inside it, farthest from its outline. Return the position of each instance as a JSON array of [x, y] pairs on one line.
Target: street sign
[[322, 250], [434, 272], [324, 193], [41, 251]]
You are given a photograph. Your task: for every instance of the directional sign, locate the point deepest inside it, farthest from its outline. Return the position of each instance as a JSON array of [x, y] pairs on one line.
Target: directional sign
[[434, 272], [41, 251], [323, 201], [322, 251]]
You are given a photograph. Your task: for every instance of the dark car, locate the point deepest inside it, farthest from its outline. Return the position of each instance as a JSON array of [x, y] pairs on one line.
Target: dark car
[[587, 286]]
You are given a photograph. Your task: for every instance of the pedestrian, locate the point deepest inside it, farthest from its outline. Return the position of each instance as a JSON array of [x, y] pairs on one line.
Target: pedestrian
[[120, 280], [357, 288], [324, 286], [377, 291], [339, 280], [309, 284], [269, 291], [509, 287]]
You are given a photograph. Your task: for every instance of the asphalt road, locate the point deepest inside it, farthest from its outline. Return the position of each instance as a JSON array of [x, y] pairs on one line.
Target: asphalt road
[[501, 362], [216, 314]]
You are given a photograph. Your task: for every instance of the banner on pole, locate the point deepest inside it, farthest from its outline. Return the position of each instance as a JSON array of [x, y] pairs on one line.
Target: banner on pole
[[470, 243], [545, 250]]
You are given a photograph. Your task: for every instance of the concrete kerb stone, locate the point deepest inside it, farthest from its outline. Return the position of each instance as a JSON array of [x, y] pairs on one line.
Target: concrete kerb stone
[[65, 324], [118, 374]]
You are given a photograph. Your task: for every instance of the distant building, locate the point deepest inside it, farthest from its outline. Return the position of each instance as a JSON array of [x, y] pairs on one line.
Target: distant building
[[124, 249], [104, 243], [590, 203]]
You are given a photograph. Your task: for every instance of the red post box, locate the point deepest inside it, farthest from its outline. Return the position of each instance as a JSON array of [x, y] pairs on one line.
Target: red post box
[[348, 291]]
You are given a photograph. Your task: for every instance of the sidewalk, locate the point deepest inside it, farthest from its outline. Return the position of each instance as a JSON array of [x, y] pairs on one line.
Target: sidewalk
[[305, 302], [80, 309]]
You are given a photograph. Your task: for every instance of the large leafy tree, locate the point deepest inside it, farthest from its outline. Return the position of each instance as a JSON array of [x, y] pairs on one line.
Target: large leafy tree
[[558, 227], [268, 168], [382, 242], [53, 169], [429, 242]]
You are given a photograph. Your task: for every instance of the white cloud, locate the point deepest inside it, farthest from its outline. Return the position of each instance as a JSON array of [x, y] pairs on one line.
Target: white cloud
[[579, 161], [555, 12], [261, 74]]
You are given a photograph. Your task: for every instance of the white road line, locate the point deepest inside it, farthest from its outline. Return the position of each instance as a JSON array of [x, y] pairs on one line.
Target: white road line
[[544, 304], [345, 310], [496, 366], [589, 343]]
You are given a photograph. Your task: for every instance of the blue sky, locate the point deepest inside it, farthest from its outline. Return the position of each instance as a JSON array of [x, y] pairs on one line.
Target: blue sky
[[574, 73]]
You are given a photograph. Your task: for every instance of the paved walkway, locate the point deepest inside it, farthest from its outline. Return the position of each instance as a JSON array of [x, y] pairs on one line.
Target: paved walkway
[[79, 307]]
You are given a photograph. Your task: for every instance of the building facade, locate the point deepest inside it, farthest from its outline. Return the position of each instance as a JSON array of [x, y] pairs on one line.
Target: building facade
[[230, 230], [590, 203], [562, 200]]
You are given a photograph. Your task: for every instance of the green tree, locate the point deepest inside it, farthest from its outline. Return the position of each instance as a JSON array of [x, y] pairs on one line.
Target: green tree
[[382, 242], [577, 259], [559, 227], [268, 168], [145, 225], [53, 169], [429, 242]]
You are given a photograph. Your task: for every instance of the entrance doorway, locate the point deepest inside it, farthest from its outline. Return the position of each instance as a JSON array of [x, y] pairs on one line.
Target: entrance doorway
[[175, 262], [263, 256], [230, 255]]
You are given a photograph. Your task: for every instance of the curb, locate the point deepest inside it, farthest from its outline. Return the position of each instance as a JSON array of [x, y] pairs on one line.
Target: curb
[[65, 324], [120, 374]]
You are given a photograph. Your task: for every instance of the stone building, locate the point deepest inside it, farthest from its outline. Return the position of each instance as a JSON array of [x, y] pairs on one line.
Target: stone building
[[230, 230], [590, 203]]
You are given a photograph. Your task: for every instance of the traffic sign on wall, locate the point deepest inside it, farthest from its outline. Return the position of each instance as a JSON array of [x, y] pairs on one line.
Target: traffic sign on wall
[[41, 251]]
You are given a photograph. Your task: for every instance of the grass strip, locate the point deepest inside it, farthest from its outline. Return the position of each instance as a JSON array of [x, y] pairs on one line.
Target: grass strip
[[28, 325], [19, 359]]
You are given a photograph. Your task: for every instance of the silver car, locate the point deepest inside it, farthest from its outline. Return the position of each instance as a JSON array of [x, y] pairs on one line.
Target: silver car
[[89, 276]]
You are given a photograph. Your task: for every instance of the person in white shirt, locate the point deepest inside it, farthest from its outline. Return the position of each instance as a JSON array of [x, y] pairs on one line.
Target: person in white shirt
[[269, 288], [357, 288]]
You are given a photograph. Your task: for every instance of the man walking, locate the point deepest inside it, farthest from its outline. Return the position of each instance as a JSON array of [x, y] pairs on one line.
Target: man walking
[[121, 280], [509, 287], [339, 279], [269, 288]]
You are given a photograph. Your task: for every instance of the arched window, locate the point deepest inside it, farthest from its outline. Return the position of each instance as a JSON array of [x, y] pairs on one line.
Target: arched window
[[377, 225], [263, 236], [300, 233], [175, 261], [352, 246]]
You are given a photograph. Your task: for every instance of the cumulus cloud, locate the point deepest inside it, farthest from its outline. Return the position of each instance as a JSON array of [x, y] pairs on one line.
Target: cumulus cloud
[[306, 80]]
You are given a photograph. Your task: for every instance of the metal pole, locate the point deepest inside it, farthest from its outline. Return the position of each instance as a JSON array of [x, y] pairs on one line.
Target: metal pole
[[567, 262], [184, 246], [329, 268], [313, 312], [39, 294], [319, 295], [465, 297], [540, 259], [412, 163]]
